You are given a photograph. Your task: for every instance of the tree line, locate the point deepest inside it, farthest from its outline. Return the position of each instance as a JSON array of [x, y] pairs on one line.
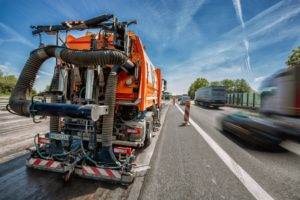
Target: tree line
[[237, 85], [7, 84]]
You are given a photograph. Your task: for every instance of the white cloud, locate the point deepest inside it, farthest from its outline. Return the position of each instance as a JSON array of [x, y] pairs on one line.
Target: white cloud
[[10, 35], [211, 61], [7, 69], [257, 82], [267, 20], [42, 72], [187, 11], [259, 79], [65, 9], [238, 10]]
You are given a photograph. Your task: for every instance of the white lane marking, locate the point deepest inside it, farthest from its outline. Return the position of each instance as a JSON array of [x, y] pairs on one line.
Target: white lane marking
[[291, 146], [252, 186]]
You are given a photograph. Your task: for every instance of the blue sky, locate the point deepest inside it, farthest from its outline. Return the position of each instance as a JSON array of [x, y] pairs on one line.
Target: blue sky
[[215, 39]]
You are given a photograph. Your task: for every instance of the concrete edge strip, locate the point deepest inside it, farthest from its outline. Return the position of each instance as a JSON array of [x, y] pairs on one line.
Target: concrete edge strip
[[134, 192], [252, 186]]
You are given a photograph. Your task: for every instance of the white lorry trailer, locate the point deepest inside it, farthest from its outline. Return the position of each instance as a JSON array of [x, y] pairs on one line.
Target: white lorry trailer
[[281, 93]]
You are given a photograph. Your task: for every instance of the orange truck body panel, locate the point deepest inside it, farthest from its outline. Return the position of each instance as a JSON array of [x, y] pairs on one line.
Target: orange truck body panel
[[146, 88]]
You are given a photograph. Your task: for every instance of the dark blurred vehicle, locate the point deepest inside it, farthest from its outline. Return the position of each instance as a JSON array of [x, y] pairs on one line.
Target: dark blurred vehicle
[[279, 117], [211, 96], [256, 131], [184, 99]]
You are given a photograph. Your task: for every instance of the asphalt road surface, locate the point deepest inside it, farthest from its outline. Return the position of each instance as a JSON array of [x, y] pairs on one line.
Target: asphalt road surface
[[184, 166], [18, 182]]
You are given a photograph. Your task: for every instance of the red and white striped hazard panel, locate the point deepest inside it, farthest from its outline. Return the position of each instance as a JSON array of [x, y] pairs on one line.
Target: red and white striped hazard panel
[[100, 172], [42, 163], [123, 150]]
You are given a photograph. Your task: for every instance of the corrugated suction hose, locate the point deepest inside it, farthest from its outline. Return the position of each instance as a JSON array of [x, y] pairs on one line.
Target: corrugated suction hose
[[18, 102], [54, 120], [110, 101], [106, 155]]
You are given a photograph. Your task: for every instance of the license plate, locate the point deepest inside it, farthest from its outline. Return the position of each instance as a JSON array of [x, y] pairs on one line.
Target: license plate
[[56, 136]]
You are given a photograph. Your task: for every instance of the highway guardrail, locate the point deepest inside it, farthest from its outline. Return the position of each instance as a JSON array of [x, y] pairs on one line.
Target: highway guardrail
[[250, 100]]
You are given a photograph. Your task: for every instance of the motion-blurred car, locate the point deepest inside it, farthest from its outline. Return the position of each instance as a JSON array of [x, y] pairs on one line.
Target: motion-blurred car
[[184, 99], [279, 112], [256, 131]]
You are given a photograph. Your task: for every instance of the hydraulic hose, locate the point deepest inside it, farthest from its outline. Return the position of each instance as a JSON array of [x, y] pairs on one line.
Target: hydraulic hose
[[18, 102]]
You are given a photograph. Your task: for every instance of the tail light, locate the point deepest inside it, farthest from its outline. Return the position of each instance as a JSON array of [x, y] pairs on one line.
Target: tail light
[[135, 131]]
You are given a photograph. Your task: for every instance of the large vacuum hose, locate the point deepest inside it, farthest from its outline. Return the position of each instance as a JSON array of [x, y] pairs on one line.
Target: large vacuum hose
[[18, 102], [106, 154], [54, 120], [110, 101]]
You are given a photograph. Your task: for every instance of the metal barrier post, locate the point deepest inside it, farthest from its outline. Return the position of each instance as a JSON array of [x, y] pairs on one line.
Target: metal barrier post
[[247, 99], [242, 99], [173, 101], [253, 105]]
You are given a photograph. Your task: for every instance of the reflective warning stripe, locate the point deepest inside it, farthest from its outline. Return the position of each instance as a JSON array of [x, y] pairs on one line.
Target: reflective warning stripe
[[116, 174], [103, 172], [187, 112], [37, 162], [49, 163], [123, 150], [95, 170], [108, 171], [100, 172]]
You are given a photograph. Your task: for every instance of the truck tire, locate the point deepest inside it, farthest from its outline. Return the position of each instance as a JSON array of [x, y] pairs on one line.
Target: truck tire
[[149, 133]]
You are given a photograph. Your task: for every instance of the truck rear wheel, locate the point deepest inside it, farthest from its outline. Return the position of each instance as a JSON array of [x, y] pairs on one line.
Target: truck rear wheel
[[149, 133]]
